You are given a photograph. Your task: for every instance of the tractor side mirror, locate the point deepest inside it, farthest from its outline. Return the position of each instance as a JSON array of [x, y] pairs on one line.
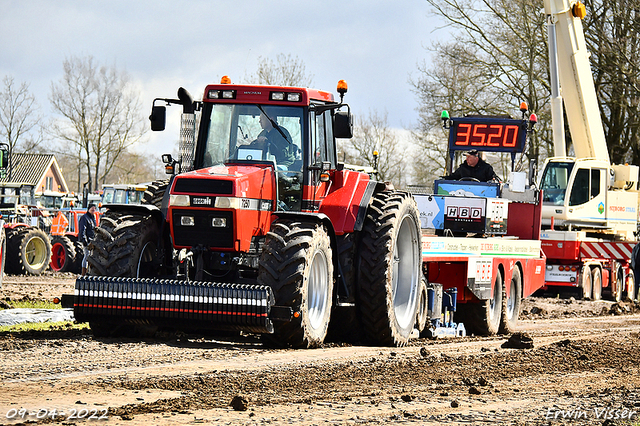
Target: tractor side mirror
[[343, 125], [158, 118]]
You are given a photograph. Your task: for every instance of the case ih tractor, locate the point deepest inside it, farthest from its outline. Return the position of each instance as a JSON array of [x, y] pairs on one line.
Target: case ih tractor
[[259, 229]]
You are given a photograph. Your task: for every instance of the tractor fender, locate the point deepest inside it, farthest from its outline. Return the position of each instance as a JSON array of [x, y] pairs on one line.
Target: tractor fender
[[372, 188], [155, 212]]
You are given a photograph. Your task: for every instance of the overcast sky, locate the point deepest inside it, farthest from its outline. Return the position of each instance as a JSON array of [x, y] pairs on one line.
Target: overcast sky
[[374, 45]]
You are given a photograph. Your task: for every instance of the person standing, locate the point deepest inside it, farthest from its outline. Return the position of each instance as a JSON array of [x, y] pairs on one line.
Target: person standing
[[86, 232]]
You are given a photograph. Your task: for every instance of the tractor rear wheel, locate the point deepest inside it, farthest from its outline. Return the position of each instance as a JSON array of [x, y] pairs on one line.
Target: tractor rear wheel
[[155, 192], [29, 251], [389, 268], [63, 254], [297, 264], [125, 245]]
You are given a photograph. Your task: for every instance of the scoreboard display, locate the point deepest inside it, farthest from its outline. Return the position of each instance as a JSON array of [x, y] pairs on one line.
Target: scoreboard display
[[487, 134]]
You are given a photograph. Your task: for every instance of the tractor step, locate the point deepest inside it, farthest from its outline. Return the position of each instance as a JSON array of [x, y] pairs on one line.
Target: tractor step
[[209, 305]]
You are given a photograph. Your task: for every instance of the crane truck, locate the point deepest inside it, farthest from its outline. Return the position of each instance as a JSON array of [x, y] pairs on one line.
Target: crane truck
[[590, 207]]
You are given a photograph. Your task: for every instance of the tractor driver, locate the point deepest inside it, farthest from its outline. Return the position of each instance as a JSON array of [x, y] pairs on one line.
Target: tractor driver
[[473, 167], [271, 140]]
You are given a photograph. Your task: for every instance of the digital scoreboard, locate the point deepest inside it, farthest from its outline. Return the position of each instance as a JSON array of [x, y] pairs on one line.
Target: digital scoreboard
[[487, 134]]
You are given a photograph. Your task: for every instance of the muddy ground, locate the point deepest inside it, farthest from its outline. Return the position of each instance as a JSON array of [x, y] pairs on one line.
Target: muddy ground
[[583, 369]]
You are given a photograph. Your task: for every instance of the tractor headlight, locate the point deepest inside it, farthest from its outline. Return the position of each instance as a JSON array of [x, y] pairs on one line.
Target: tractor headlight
[[187, 221], [227, 203], [179, 200], [219, 222]]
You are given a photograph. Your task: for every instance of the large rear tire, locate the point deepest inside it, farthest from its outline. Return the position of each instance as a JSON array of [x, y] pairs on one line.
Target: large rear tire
[[389, 269], [63, 254], [511, 303], [125, 245], [155, 192], [29, 251], [297, 264]]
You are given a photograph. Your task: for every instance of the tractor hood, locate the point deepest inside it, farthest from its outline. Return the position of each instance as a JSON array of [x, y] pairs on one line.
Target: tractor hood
[[238, 181], [222, 207]]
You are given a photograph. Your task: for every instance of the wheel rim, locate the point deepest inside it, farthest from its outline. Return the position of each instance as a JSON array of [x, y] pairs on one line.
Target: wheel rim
[[493, 304], [511, 300], [35, 251], [318, 290], [596, 284], [58, 256], [586, 283], [405, 273]]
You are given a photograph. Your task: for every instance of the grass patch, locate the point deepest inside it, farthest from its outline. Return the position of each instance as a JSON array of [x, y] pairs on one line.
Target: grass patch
[[34, 304], [43, 326]]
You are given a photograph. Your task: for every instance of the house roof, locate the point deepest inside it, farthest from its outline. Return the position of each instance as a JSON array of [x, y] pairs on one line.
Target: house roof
[[31, 168]]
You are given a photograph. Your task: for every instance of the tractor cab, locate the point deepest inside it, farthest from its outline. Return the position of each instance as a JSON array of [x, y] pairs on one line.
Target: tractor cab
[[290, 130]]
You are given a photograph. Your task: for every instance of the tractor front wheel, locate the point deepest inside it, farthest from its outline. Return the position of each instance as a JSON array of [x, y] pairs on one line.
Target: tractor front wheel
[[125, 245], [63, 254], [297, 264]]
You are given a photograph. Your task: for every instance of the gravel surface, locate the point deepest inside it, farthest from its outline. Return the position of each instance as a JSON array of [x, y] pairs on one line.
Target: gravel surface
[[582, 369]]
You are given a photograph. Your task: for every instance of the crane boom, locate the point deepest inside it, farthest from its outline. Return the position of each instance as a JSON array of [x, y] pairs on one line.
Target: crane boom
[[576, 83]]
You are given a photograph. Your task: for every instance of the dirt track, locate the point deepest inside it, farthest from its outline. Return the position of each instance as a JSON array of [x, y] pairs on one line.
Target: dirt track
[[582, 361]]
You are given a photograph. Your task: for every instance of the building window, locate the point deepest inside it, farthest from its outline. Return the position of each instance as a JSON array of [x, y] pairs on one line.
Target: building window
[[49, 183]]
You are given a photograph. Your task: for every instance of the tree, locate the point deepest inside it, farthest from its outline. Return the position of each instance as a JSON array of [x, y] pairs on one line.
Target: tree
[[374, 135], [501, 54], [497, 60], [284, 71], [612, 32], [19, 117], [101, 117]]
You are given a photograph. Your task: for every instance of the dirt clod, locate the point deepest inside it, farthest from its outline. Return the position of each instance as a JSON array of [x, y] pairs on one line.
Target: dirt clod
[[519, 340], [239, 403]]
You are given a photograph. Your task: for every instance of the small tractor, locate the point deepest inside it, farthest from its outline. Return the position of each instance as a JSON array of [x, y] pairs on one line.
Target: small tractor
[[28, 246], [259, 229]]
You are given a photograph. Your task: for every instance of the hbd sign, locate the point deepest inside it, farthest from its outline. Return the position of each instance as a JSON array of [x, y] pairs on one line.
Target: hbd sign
[[465, 214]]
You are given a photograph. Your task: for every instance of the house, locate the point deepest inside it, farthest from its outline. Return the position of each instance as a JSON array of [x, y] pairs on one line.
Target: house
[[40, 170]]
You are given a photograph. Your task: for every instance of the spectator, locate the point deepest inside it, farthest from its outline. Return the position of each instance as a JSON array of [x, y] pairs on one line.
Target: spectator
[[86, 232]]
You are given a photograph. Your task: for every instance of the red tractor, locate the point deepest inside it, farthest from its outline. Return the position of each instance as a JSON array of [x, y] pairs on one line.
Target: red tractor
[[66, 251], [258, 229]]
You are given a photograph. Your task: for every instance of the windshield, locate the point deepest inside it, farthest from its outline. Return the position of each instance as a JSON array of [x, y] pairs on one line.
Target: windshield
[[248, 132], [554, 182]]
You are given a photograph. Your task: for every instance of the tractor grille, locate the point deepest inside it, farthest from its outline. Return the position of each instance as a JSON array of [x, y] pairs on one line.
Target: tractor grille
[[203, 186], [212, 305], [203, 233]]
